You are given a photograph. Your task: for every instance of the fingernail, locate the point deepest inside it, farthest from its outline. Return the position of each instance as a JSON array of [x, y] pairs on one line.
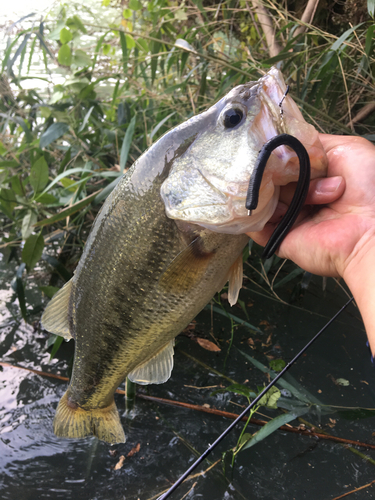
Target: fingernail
[[329, 185]]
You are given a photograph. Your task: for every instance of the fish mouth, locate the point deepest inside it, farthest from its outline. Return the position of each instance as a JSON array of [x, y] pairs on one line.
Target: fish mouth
[[214, 196]]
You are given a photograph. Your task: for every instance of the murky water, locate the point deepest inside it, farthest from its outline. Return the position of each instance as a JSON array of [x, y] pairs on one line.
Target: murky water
[[35, 464]]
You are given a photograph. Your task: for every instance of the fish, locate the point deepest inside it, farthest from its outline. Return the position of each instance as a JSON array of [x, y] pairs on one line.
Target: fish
[[167, 238]]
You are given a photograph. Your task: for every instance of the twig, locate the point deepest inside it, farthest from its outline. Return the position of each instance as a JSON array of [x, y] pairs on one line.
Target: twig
[[355, 490], [255, 421], [199, 474], [362, 113], [307, 16], [256, 25], [266, 23], [212, 411], [347, 94]]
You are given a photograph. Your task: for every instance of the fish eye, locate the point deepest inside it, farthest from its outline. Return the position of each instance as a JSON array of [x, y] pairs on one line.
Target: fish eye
[[232, 117]]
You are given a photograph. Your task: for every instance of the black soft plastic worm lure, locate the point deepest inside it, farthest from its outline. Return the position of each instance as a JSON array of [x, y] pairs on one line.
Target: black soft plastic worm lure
[[299, 196]]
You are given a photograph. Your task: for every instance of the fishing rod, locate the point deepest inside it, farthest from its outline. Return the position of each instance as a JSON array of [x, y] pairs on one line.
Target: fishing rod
[[273, 243], [253, 403]]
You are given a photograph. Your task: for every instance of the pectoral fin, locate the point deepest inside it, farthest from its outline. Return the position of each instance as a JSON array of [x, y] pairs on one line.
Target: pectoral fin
[[235, 280], [55, 317], [187, 268], [156, 370]]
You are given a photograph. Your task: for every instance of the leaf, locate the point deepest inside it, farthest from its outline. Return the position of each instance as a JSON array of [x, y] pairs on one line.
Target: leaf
[[143, 44], [135, 5], [32, 250], [86, 119], [292, 385], [16, 184], [18, 287], [120, 463], [134, 450], [126, 13], [23, 124], [342, 381], [244, 439], [18, 52], [54, 132], [58, 267], [80, 58], [65, 36], [39, 175], [241, 389], [160, 124], [61, 176], [126, 144], [238, 320], [277, 364], [106, 49], [47, 199], [106, 191], [289, 277], [273, 425], [9, 163], [49, 291], [68, 211], [65, 55], [130, 43], [7, 201], [77, 21], [27, 224], [67, 183], [56, 345], [124, 51], [208, 345], [340, 41], [270, 398], [371, 7]]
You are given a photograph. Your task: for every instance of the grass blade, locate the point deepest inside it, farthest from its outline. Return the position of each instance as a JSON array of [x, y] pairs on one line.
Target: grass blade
[[126, 144], [273, 425]]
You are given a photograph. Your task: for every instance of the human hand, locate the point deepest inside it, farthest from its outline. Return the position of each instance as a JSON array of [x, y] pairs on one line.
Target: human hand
[[332, 239]]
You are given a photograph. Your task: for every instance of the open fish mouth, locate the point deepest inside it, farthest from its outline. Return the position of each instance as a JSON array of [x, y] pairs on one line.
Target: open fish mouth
[[208, 184]]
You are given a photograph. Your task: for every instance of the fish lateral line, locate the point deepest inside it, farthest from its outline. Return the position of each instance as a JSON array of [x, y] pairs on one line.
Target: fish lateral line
[[300, 193]]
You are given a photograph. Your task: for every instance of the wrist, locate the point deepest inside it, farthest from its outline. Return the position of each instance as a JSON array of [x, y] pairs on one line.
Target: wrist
[[359, 275]]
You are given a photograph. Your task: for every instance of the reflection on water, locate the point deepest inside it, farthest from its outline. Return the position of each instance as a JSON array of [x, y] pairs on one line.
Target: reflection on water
[[35, 464]]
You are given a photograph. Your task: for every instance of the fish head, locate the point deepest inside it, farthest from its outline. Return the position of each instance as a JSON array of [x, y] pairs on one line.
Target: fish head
[[208, 184]]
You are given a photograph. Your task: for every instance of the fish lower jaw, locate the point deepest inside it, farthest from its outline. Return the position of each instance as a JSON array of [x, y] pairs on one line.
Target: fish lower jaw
[[235, 219]]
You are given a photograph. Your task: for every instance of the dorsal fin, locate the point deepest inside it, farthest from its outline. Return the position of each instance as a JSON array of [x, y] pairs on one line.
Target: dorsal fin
[[156, 370], [235, 280], [55, 318]]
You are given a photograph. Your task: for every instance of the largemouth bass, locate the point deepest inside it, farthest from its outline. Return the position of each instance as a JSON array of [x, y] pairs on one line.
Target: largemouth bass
[[168, 237]]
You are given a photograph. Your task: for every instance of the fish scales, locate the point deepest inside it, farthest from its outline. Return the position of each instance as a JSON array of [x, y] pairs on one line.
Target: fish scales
[[166, 239], [134, 317]]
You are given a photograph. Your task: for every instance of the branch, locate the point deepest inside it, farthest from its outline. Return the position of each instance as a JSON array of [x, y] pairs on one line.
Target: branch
[[307, 16], [363, 113], [265, 21]]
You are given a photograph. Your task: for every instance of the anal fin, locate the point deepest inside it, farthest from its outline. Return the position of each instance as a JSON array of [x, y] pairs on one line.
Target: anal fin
[[55, 318], [156, 370]]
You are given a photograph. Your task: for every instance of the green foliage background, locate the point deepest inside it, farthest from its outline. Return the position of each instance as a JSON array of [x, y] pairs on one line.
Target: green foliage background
[[85, 91]]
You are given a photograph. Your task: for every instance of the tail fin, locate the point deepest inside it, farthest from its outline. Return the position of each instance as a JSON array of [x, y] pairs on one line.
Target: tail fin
[[104, 423]]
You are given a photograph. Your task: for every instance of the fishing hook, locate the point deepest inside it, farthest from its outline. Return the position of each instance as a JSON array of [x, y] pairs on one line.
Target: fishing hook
[[299, 196]]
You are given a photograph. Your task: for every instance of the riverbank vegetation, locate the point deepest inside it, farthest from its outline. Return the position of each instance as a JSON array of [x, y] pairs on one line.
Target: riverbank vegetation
[[84, 91]]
